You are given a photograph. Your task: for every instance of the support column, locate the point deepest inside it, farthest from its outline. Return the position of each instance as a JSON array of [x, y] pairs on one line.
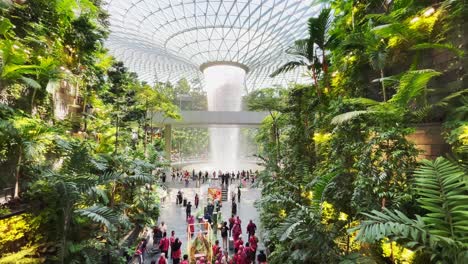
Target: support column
[[168, 141]]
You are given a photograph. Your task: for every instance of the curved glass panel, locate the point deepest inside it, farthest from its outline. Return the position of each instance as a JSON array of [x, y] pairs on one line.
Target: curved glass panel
[[165, 40]]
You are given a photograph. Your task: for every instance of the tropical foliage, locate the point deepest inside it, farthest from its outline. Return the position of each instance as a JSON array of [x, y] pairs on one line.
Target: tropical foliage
[[77, 142], [345, 181]]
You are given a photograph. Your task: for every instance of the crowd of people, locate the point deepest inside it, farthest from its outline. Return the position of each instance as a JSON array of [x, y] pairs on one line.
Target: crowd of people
[[244, 252], [178, 175]]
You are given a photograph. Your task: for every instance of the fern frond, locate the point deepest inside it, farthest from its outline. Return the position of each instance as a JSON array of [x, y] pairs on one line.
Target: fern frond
[[443, 193], [343, 118], [392, 224], [446, 46], [412, 85], [99, 214]]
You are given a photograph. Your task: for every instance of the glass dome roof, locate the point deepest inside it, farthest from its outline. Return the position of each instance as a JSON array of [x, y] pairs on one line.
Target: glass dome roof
[[166, 40]]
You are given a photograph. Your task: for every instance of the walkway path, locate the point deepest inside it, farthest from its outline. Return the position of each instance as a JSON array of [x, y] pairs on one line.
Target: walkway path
[[174, 215]]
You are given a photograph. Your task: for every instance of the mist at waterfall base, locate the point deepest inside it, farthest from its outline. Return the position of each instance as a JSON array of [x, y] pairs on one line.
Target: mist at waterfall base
[[224, 86]]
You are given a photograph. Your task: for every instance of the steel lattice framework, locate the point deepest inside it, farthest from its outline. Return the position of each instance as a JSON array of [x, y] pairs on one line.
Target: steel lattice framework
[[166, 40]]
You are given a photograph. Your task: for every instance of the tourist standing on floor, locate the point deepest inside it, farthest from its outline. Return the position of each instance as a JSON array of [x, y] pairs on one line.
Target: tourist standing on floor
[[197, 200], [163, 227], [238, 243], [232, 220], [164, 244], [188, 209], [253, 241], [179, 197], [224, 235], [261, 258], [171, 241], [176, 251], [191, 222], [251, 227], [238, 193], [185, 261], [215, 248], [249, 253], [234, 208], [236, 230], [162, 259]]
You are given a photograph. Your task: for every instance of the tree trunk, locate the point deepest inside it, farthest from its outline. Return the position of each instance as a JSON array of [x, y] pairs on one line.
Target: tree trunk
[[145, 127], [384, 93], [18, 172], [66, 220], [33, 97], [116, 133]]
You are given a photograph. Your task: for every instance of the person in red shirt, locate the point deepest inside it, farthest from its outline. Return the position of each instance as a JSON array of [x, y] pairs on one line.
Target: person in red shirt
[[216, 248], [185, 261], [253, 241], [251, 227], [164, 244], [232, 220], [236, 230], [171, 240], [238, 243], [249, 254], [176, 251], [162, 259], [191, 222]]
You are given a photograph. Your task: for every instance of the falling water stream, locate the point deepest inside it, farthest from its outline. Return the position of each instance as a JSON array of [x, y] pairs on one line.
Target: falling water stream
[[224, 85]]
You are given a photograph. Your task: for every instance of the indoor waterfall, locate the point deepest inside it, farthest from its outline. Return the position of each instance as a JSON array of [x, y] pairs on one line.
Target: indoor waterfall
[[224, 85]]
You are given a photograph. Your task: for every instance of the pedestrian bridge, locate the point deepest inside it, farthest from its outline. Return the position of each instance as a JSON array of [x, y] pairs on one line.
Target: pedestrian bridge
[[212, 119]]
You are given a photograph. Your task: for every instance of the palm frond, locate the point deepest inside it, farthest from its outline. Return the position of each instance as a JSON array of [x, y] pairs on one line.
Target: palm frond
[[412, 85], [99, 214], [319, 27], [361, 101], [321, 185], [443, 193], [31, 82], [345, 117], [445, 46], [288, 67], [392, 224]]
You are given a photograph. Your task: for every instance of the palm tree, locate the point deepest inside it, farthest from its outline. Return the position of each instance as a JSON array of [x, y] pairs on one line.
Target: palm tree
[[411, 86], [306, 51], [441, 232], [375, 49], [32, 139]]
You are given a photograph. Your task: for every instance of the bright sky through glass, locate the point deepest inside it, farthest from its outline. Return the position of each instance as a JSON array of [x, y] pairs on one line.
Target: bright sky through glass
[[165, 40]]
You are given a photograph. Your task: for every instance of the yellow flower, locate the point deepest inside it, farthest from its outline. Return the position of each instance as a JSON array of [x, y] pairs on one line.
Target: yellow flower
[[343, 216], [282, 213]]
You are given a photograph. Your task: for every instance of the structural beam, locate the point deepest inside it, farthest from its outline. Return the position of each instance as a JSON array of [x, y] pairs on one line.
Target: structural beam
[[212, 119]]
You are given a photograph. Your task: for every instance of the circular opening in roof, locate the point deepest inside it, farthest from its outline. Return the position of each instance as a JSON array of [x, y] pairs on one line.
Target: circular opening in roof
[[204, 66]]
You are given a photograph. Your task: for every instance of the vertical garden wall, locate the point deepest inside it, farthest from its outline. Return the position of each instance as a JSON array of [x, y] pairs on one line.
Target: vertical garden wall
[[77, 152]]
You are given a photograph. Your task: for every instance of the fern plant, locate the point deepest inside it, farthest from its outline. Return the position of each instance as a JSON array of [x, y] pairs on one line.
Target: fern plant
[[443, 230]]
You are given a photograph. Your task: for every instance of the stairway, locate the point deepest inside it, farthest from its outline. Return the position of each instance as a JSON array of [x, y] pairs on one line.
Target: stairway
[[224, 194]]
